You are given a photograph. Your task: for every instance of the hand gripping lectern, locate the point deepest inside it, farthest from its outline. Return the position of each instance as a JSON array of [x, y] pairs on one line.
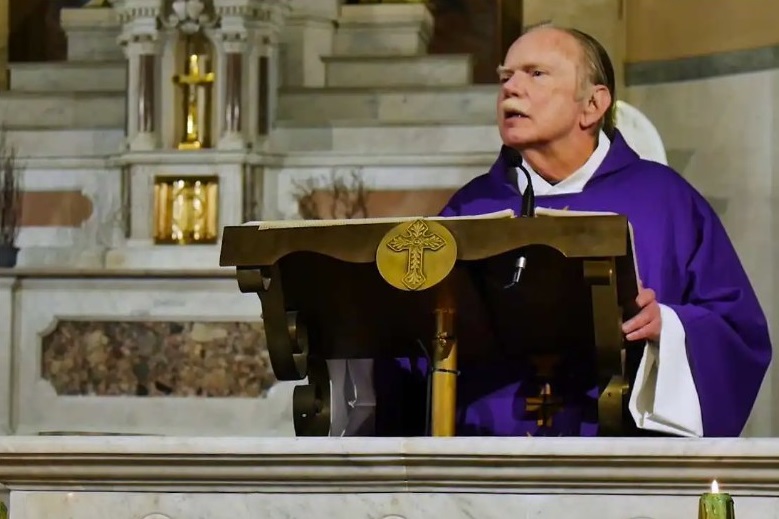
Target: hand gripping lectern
[[466, 288]]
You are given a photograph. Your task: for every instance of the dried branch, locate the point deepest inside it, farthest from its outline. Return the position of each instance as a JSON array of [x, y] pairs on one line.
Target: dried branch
[[10, 191], [345, 198]]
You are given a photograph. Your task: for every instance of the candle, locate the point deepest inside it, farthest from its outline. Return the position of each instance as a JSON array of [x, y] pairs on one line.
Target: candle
[[716, 504]]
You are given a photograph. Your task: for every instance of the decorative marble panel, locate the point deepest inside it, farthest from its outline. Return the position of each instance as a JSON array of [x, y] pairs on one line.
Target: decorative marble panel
[[171, 358]]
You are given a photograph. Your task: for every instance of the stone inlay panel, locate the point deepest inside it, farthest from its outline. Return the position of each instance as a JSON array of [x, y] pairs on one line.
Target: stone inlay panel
[[110, 358]]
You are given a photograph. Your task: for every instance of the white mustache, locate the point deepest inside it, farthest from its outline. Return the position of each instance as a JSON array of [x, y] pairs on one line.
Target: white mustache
[[512, 105]]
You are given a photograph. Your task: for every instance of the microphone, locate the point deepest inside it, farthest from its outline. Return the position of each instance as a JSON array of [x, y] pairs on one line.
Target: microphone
[[514, 160]]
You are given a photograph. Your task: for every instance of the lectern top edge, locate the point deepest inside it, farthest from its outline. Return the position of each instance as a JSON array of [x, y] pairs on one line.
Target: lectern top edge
[[587, 235]]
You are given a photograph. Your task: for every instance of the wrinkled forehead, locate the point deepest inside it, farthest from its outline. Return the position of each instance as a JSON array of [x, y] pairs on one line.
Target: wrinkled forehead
[[544, 46]]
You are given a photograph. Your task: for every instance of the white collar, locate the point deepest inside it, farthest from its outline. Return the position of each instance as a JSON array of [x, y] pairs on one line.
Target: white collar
[[572, 184]]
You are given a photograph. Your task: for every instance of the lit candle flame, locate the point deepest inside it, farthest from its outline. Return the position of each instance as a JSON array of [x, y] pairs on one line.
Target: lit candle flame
[[714, 487]]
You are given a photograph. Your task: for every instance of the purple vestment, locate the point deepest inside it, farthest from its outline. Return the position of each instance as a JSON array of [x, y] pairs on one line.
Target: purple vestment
[[683, 253]]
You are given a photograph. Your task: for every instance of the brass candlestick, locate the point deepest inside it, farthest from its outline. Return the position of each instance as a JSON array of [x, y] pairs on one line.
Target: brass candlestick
[[196, 85]]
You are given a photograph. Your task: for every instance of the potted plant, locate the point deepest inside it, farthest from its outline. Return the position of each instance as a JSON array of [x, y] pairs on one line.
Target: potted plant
[[10, 201]]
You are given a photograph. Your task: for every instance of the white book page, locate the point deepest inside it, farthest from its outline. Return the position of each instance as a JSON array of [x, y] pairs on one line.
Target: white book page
[[294, 224], [544, 211]]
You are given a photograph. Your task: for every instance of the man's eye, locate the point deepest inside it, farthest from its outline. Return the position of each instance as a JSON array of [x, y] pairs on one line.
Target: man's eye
[[536, 73]]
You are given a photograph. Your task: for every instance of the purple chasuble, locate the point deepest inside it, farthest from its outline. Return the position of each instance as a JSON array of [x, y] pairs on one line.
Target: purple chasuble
[[683, 253]]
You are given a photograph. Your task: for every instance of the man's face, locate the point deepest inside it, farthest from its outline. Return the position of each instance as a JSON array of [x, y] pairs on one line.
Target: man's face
[[539, 100]]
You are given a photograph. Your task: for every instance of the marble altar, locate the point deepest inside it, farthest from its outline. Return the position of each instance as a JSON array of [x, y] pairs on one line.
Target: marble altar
[[135, 352], [390, 478]]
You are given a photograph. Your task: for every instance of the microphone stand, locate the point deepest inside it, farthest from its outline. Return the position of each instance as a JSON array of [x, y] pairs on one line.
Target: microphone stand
[[514, 159]]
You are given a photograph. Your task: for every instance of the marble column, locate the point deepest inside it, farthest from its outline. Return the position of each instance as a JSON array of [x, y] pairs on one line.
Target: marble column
[[146, 86], [232, 104], [142, 57]]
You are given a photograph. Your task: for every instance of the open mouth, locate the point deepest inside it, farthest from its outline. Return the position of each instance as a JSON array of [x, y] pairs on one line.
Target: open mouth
[[512, 110], [513, 114]]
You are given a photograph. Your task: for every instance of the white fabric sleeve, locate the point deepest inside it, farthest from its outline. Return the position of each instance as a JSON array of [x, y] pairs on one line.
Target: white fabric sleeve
[[664, 397]]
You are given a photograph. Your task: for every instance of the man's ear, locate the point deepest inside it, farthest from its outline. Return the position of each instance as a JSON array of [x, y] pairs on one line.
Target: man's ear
[[596, 105]]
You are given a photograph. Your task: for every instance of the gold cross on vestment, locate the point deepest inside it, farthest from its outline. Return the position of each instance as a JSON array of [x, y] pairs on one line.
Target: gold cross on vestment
[[416, 240], [545, 405]]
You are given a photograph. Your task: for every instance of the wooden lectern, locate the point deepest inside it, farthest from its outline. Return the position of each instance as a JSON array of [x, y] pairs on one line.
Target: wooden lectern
[[374, 288]]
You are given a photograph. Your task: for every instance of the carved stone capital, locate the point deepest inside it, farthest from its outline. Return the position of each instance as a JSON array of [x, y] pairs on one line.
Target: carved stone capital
[[267, 14], [138, 19], [130, 10], [135, 44], [233, 41]]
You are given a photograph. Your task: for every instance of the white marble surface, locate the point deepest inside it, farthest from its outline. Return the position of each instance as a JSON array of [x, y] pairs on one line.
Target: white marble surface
[[82, 246], [143, 254], [474, 104], [389, 29], [386, 175], [7, 287], [108, 76], [380, 506], [385, 71], [40, 301], [92, 34], [67, 143], [366, 138], [63, 109], [307, 36], [315, 466]]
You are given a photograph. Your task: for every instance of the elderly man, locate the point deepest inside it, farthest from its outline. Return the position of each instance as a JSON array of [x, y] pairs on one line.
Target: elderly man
[[707, 340]]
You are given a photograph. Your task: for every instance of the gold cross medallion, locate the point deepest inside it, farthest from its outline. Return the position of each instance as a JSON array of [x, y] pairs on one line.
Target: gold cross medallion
[[545, 405], [416, 255]]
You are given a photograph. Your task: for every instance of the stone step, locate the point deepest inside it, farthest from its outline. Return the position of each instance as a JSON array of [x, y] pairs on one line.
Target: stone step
[[386, 71], [66, 143], [386, 29], [63, 109], [67, 76], [359, 138], [402, 104]]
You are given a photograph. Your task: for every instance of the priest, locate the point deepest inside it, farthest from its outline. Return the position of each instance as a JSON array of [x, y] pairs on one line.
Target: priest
[[707, 344]]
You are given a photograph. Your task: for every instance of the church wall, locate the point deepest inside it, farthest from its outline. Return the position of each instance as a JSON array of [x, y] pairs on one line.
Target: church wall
[[603, 19], [667, 29]]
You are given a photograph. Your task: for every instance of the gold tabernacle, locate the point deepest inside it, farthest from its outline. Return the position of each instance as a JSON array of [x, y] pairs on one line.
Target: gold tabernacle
[[442, 289], [196, 85], [186, 209]]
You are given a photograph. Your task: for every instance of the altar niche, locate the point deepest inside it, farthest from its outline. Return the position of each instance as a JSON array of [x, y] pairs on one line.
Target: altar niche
[[196, 61]]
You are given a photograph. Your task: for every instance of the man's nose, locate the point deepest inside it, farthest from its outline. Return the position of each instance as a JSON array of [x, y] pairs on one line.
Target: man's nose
[[513, 86]]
